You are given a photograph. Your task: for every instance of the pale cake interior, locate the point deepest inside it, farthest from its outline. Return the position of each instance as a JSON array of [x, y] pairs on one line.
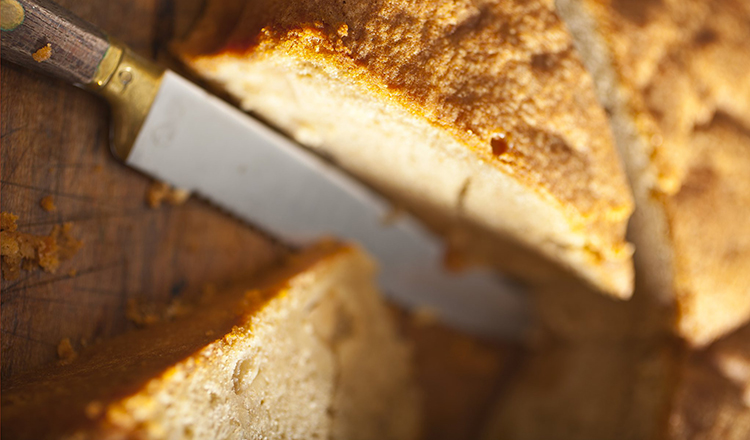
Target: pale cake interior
[[314, 355]]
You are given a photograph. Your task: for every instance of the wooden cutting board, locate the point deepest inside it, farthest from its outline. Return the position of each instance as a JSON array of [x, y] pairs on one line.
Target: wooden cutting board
[[55, 143]]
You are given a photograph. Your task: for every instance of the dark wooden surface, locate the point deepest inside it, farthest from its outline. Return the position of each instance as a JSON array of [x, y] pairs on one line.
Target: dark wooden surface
[[54, 142]]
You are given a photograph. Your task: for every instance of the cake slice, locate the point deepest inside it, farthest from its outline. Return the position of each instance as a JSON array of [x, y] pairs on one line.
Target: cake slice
[[308, 352], [731, 356], [603, 369], [629, 391], [587, 391], [674, 76], [477, 116], [457, 374], [707, 405]]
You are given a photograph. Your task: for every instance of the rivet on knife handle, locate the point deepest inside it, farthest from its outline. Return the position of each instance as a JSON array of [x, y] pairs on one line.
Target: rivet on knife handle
[[130, 83], [45, 37]]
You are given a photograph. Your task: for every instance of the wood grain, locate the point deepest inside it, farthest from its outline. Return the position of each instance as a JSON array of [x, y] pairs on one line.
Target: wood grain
[[55, 142]]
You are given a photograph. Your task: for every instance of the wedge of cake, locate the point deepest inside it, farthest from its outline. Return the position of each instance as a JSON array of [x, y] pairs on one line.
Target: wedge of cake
[[476, 115], [707, 405], [308, 352], [605, 369], [458, 375], [674, 76], [629, 391], [587, 392], [731, 356]]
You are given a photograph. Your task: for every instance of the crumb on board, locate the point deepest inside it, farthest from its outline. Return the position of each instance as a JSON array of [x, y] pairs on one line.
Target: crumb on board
[[72, 273], [175, 309], [22, 251], [48, 204], [140, 313], [65, 351], [455, 259], [8, 221], [43, 54], [94, 409], [160, 192], [143, 313]]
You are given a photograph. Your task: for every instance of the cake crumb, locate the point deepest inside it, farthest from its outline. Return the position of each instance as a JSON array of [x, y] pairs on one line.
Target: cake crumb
[[94, 409], [141, 314], [43, 54], [394, 214], [72, 273], [22, 251], [144, 314], [8, 221], [455, 260], [66, 352], [160, 192], [425, 316], [175, 309], [67, 244], [48, 204], [343, 30]]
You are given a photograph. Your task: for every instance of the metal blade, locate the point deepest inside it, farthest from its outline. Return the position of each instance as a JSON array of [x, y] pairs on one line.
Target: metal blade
[[197, 142]]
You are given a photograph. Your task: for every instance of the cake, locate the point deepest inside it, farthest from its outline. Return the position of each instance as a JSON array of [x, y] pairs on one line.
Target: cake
[[602, 369], [629, 391], [707, 405], [477, 116], [587, 391], [309, 351], [458, 375], [673, 74]]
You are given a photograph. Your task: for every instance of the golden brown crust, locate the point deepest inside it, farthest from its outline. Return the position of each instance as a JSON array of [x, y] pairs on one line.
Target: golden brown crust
[[488, 73], [682, 68], [121, 367]]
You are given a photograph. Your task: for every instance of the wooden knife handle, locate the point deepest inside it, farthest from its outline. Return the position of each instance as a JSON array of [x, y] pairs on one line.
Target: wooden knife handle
[[75, 47]]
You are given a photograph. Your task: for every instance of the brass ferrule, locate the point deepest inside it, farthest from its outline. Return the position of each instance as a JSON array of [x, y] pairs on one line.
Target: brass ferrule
[[130, 83]]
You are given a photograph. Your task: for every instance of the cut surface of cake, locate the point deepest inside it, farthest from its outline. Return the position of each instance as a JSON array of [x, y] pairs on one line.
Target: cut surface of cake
[[458, 375], [477, 116], [674, 76], [628, 391], [707, 405], [603, 369], [587, 392], [308, 352]]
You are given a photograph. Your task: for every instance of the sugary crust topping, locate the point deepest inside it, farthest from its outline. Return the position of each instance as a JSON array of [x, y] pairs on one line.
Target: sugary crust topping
[[684, 71], [680, 63], [489, 72]]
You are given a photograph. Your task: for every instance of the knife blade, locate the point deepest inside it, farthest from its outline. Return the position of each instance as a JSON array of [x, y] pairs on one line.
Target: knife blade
[[171, 129]]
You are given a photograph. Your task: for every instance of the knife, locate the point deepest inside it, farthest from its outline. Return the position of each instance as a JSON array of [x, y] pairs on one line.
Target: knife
[[171, 129]]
